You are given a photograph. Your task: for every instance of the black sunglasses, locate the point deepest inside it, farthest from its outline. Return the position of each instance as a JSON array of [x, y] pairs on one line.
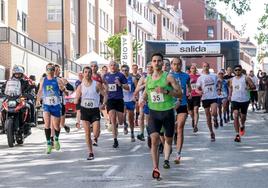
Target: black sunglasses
[[125, 70], [50, 69], [237, 70]]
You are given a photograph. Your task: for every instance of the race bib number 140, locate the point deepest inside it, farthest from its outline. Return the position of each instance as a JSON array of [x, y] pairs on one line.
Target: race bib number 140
[[87, 103]]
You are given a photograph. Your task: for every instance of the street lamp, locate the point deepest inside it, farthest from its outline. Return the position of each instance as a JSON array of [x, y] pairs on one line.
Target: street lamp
[[136, 38], [62, 36]]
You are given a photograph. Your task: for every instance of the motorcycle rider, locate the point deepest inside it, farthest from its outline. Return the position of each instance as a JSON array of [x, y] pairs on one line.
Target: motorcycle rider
[[26, 90]]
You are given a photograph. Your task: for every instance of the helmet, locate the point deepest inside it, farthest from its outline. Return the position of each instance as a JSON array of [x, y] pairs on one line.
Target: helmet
[[18, 69]]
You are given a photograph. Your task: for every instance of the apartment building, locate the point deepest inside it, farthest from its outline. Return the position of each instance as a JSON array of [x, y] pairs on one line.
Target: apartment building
[[87, 25], [206, 24], [148, 20]]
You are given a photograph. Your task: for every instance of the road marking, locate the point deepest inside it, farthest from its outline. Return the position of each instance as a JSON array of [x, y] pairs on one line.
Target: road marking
[[110, 171], [135, 148]]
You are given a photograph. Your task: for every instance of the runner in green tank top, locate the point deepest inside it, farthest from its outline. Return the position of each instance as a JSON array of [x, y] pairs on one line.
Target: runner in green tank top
[[160, 90]]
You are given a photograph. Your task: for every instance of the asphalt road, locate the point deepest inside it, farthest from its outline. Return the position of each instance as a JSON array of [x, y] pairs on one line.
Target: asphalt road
[[204, 164]]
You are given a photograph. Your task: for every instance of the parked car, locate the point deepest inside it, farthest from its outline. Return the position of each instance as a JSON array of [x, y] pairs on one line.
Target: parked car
[[70, 107]]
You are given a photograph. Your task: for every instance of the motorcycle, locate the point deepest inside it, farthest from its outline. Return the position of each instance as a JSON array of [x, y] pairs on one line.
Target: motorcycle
[[15, 114]]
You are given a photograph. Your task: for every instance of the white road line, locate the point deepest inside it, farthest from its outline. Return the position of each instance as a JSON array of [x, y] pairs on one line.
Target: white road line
[[110, 171], [135, 148]]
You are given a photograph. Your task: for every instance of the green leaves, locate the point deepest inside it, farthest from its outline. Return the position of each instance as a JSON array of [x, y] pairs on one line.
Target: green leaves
[[238, 6]]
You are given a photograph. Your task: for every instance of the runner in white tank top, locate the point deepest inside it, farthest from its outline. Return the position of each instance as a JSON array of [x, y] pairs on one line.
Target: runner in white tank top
[[239, 95], [89, 92], [208, 87]]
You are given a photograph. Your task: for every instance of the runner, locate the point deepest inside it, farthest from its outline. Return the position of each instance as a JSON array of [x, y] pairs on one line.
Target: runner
[[229, 113], [144, 110], [160, 90], [115, 81], [104, 70], [239, 97], [194, 101], [78, 107], [129, 100], [96, 77], [207, 86], [49, 90], [137, 76], [223, 97], [89, 92], [183, 80]]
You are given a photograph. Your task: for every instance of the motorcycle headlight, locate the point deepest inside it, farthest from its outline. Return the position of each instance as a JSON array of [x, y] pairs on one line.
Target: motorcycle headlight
[[12, 104]]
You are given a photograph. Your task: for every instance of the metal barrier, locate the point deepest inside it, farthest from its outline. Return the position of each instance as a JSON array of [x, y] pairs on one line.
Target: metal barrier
[[8, 34]]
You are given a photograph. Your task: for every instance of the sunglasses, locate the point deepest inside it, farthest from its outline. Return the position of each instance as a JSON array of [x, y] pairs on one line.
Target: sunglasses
[[124, 70], [50, 69], [237, 70]]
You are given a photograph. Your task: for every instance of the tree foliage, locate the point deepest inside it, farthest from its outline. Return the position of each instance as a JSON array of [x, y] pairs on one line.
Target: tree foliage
[[262, 36], [239, 6], [114, 43]]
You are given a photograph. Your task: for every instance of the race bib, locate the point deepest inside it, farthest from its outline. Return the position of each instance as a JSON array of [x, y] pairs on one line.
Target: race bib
[[111, 87], [157, 97], [193, 86], [13, 87], [87, 103], [51, 100], [237, 87], [209, 89]]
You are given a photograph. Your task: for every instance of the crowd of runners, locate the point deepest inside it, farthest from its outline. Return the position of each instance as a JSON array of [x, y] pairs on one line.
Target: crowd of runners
[[157, 100]]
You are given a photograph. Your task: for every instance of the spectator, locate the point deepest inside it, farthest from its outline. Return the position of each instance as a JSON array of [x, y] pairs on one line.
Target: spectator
[[261, 90], [265, 80], [253, 92]]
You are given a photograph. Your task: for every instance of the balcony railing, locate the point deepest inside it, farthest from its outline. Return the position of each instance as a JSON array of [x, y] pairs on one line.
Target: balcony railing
[[8, 34]]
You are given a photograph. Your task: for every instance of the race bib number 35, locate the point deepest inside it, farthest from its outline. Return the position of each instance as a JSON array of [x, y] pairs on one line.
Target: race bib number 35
[[157, 97], [112, 87], [87, 103]]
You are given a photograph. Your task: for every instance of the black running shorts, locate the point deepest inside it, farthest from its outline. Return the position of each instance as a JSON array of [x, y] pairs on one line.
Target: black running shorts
[[157, 119], [240, 106], [90, 114], [194, 101], [207, 103], [115, 104]]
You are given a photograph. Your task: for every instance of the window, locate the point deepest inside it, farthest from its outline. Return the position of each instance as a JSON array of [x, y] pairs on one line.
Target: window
[[91, 13], [91, 44], [129, 2], [54, 10], [2, 8], [154, 19], [164, 22], [129, 27], [167, 23], [210, 32], [24, 21]]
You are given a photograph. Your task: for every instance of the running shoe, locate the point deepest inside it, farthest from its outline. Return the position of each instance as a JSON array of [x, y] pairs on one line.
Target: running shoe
[[149, 142], [116, 144], [177, 159], [95, 142], [195, 130], [242, 131], [166, 164], [57, 145], [49, 148], [125, 131], [67, 128], [141, 137], [156, 173], [225, 120], [132, 138], [90, 156], [212, 137], [237, 138]]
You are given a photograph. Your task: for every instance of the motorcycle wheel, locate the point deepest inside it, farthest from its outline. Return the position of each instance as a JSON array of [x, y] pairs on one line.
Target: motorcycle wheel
[[10, 133]]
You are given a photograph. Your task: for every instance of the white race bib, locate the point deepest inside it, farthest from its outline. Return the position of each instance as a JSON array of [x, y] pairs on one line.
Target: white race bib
[[87, 103], [209, 89], [112, 87], [13, 87], [51, 100], [193, 86], [157, 97], [237, 87]]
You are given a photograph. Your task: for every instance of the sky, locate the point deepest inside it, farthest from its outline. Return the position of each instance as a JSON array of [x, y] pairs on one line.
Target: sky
[[249, 18]]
